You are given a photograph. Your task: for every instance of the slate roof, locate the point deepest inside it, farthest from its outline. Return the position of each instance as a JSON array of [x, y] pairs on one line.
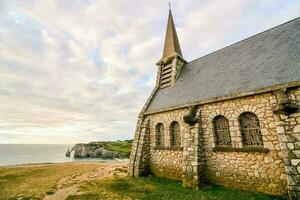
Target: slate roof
[[266, 59]]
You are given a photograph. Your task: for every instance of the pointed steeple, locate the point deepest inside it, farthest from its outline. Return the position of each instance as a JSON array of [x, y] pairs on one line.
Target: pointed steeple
[[171, 63], [171, 46]]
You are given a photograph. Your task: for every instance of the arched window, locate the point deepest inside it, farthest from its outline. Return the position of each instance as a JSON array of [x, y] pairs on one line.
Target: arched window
[[175, 134], [250, 129], [221, 131], [160, 134]]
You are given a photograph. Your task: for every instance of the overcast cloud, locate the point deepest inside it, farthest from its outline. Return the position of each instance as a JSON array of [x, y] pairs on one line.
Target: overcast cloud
[[80, 70]]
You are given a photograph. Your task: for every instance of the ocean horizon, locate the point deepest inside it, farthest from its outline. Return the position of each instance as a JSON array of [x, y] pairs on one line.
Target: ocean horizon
[[18, 154]]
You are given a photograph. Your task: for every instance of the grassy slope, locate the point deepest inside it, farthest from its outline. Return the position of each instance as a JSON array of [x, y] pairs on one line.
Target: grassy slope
[[151, 188], [34, 182]]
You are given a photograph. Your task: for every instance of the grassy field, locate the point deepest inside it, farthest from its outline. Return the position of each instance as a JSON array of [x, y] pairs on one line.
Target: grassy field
[[35, 182], [151, 188]]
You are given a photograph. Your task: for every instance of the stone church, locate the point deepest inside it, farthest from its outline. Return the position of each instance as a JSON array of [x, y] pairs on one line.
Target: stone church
[[229, 118]]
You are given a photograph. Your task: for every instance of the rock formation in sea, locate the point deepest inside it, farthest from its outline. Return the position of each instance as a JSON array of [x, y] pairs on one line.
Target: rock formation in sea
[[68, 153]]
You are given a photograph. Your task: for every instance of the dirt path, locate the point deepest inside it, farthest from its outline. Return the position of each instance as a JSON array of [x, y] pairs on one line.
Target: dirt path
[[69, 185]]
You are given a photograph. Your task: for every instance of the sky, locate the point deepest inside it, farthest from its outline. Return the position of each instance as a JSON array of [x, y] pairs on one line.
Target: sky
[[81, 70]]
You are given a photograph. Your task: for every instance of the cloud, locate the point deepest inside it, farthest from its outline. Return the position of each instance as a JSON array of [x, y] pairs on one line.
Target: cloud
[[77, 71]]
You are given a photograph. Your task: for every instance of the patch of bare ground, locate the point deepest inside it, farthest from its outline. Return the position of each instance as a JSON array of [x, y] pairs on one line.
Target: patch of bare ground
[[70, 185], [53, 181]]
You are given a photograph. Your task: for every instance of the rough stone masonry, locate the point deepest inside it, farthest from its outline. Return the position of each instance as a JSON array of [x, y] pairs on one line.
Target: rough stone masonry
[[230, 118]]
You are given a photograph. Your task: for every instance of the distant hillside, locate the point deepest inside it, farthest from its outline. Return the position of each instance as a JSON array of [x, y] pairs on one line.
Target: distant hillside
[[123, 147], [102, 149]]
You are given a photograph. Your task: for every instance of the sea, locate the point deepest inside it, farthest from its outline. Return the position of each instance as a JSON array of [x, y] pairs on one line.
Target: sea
[[16, 154]]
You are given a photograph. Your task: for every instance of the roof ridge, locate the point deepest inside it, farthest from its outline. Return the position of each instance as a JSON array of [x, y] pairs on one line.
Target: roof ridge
[[246, 67], [245, 39]]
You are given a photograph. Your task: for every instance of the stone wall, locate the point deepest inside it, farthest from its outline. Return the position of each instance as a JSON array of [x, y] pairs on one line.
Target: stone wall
[[140, 152], [288, 130], [241, 168], [247, 171], [166, 163], [245, 168], [273, 168]]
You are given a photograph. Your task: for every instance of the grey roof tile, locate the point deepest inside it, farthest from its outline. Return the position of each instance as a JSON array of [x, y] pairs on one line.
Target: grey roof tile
[[266, 59]]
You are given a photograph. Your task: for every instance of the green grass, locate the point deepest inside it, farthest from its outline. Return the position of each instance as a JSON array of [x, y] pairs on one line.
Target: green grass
[[152, 188], [25, 183], [34, 182]]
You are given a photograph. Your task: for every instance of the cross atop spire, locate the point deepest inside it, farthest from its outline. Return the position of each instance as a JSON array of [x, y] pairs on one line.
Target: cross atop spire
[[171, 46]]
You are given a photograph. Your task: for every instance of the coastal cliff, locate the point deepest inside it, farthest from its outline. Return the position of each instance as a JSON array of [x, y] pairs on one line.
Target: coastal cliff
[[107, 149], [94, 151]]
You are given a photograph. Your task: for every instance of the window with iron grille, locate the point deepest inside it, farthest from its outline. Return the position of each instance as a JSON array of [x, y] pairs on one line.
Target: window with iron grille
[[160, 134], [166, 75], [250, 129], [221, 131], [175, 134]]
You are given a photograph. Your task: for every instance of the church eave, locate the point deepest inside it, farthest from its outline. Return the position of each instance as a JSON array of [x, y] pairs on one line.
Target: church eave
[[227, 97], [169, 59]]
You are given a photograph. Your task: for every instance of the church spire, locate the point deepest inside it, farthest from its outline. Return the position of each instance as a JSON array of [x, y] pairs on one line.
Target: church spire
[[171, 47], [171, 63]]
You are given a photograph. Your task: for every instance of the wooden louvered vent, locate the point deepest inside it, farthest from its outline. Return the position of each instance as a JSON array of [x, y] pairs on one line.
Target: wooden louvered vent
[[166, 76]]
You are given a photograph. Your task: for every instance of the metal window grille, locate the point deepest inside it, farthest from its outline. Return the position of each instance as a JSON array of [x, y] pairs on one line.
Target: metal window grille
[[221, 130], [175, 134], [250, 129], [159, 134]]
